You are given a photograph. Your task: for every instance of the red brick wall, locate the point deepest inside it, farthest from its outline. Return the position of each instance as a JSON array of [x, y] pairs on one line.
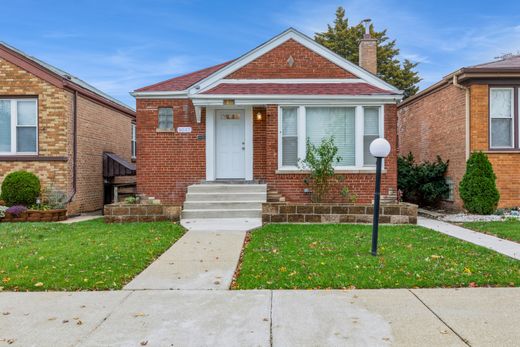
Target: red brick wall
[[505, 164], [435, 125], [167, 162], [99, 129], [307, 64], [292, 185]]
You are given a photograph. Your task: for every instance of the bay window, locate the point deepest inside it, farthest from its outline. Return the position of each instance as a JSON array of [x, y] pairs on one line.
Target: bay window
[[353, 129], [501, 110], [18, 126]]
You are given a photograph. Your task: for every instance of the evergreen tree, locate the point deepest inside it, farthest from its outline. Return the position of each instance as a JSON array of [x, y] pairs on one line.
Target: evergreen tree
[[477, 188], [344, 40]]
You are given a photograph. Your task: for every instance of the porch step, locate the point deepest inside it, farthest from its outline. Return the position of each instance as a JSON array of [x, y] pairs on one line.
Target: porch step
[[220, 200], [222, 205], [227, 188], [239, 213], [226, 197]]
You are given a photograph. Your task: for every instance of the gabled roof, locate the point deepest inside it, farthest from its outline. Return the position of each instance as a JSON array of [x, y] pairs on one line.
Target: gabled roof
[[59, 77], [184, 81], [203, 80]]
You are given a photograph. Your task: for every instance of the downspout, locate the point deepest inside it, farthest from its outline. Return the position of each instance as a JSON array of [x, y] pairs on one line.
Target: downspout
[[74, 145], [467, 115]]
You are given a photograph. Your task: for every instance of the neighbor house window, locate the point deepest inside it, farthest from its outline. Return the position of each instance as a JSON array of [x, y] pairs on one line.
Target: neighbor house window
[[352, 127], [289, 136], [501, 110], [133, 141], [18, 126], [165, 118]]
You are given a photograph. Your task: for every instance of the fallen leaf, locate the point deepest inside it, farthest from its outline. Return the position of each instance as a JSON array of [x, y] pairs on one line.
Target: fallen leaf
[[140, 314], [144, 343], [38, 284], [6, 313]]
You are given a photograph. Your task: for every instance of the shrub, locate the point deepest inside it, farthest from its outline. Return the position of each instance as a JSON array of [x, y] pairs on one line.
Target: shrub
[[478, 189], [55, 199], [130, 200], [16, 210], [320, 160], [422, 184], [20, 188], [2, 211]]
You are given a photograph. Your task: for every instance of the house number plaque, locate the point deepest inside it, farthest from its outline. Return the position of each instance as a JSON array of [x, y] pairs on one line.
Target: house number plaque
[[184, 130]]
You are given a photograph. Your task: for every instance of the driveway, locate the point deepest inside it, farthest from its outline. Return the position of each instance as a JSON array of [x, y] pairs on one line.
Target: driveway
[[401, 317]]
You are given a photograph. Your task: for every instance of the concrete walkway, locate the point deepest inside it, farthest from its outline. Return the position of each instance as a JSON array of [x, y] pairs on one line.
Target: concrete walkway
[[506, 247], [82, 217], [204, 258], [400, 317]]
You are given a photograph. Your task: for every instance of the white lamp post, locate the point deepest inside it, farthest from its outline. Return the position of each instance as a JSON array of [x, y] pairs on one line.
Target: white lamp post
[[379, 148]]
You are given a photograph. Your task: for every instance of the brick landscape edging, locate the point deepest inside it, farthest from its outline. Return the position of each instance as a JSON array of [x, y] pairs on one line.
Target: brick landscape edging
[[281, 212], [130, 213]]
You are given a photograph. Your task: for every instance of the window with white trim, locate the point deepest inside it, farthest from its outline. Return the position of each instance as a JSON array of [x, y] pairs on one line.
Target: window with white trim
[[353, 129], [18, 126], [290, 136], [133, 141], [165, 118], [501, 111]]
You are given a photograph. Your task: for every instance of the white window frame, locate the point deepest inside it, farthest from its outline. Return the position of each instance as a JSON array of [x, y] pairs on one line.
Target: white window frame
[[513, 125], [14, 126], [133, 142], [302, 136]]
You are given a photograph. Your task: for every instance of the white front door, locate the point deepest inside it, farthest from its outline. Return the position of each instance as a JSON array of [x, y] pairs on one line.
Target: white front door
[[230, 144]]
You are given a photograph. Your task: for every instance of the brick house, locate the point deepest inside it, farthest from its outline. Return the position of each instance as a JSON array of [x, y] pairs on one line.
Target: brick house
[[57, 126], [248, 120], [472, 109]]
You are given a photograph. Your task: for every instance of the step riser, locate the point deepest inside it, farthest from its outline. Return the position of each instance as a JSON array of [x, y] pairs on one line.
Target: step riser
[[231, 188], [186, 214], [220, 205], [226, 197]]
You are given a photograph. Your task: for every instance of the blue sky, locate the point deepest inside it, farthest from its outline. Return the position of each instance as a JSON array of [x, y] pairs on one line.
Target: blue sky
[[119, 46]]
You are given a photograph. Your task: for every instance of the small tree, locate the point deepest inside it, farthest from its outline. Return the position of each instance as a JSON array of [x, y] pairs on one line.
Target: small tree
[[20, 188], [320, 160], [478, 189]]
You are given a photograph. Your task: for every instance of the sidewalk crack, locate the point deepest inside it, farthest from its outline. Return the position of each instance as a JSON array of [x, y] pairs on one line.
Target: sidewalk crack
[[80, 341], [466, 342], [271, 321]]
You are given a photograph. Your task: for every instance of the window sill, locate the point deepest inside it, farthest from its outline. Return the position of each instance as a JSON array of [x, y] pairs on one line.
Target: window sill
[[21, 157], [159, 130], [503, 151], [339, 171]]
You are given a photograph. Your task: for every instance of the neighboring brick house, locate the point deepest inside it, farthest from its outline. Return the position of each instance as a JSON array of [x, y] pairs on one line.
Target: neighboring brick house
[[473, 109], [57, 126], [248, 119]]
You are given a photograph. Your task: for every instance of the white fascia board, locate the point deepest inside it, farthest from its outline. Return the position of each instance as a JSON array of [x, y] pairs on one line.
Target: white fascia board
[[305, 41]]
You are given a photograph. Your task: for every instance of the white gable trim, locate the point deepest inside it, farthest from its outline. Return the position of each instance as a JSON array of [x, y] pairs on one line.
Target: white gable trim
[[306, 41]]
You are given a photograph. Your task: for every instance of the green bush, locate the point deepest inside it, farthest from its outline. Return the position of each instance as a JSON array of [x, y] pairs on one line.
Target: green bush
[[20, 188], [478, 189], [320, 161], [422, 184]]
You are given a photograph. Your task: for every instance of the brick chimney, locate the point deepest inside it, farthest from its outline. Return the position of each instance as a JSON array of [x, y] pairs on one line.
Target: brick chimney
[[368, 50]]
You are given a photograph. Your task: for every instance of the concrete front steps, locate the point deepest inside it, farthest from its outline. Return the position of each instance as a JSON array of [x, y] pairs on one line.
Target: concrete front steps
[[222, 200]]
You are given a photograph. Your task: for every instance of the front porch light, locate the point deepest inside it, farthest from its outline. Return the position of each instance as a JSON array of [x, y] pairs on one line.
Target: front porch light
[[258, 116]]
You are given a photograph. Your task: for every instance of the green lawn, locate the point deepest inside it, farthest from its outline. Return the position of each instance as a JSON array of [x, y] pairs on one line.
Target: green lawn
[[508, 229], [338, 256], [88, 255]]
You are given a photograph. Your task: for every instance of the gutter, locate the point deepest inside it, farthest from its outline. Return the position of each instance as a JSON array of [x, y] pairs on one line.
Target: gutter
[[455, 81], [74, 146]]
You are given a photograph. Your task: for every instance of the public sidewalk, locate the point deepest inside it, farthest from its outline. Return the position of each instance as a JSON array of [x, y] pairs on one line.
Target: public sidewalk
[[400, 317], [506, 247]]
